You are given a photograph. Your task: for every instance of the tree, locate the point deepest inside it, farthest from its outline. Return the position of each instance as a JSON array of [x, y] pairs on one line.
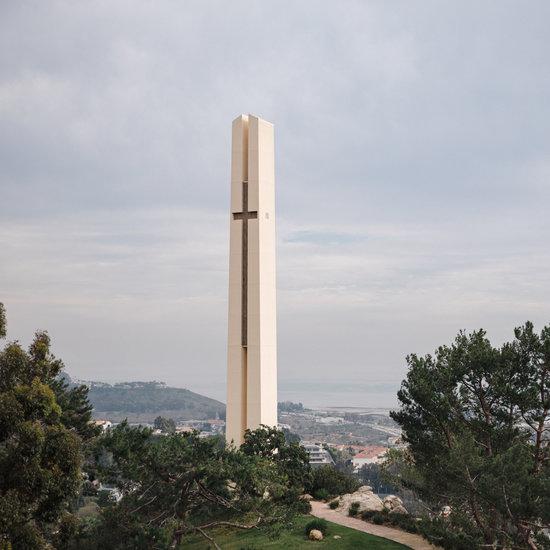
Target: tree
[[342, 460], [289, 456], [373, 475], [165, 425], [40, 443], [475, 418], [181, 484]]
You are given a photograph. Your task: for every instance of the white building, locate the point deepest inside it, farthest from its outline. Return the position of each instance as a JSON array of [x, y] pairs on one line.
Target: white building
[[318, 456]]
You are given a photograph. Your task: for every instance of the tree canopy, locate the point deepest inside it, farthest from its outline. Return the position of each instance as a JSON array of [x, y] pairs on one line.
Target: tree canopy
[[42, 426], [177, 484], [475, 418]]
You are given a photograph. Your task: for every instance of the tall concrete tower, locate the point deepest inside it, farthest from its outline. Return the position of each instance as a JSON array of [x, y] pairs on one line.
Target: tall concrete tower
[[252, 342]]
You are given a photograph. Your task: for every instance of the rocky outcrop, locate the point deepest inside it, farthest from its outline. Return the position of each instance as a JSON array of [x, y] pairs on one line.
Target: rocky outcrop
[[394, 505], [370, 502], [364, 496]]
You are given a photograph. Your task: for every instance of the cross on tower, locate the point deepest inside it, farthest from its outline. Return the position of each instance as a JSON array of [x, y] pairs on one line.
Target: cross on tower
[[245, 215]]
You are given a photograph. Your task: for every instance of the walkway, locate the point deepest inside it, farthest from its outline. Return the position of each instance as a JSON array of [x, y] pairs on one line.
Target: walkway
[[416, 542]]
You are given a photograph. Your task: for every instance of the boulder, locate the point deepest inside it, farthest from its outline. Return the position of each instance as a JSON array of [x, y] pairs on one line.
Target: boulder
[[365, 497], [394, 505], [306, 497], [315, 534]]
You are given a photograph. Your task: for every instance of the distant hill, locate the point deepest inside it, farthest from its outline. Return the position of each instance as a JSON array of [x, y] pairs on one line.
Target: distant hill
[[144, 401]]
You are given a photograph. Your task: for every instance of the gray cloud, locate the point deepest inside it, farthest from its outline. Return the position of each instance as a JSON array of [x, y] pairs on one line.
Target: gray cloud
[[412, 178]]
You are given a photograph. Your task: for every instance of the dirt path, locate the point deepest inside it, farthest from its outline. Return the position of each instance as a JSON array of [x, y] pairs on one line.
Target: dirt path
[[416, 542]]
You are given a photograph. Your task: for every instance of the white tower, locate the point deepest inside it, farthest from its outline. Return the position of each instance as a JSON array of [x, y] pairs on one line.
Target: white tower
[[252, 342]]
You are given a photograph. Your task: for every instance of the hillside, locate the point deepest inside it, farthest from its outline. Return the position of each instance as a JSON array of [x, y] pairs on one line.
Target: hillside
[[143, 401]]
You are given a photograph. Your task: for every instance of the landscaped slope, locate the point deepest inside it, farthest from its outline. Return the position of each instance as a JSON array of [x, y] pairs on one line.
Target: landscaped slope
[[295, 539]]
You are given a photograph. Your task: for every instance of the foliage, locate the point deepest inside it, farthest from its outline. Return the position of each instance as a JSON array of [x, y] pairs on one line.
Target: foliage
[[291, 437], [290, 458], [353, 509], [402, 521], [317, 523], [42, 425], [322, 494], [475, 418], [165, 425], [440, 532], [333, 504], [335, 483], [373, 475], [180, 484], [378, 518], [2, 321], [342, 460], [76, 409]]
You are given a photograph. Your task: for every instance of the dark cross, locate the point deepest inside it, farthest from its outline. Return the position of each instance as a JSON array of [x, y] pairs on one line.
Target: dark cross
[[245, 215]]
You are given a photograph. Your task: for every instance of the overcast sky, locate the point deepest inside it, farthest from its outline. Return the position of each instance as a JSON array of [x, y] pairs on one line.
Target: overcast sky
[[412, 177]]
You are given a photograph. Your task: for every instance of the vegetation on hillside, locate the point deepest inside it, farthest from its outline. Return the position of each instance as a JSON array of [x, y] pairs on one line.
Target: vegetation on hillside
[[149, 399], [476, 421]]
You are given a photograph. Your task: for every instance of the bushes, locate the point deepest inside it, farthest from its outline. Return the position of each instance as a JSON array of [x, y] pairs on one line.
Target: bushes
[[317, 523], [378, 518], [321, 494], [402, 521], [353, 510], [437, 532], [332, 482], [333, 504]]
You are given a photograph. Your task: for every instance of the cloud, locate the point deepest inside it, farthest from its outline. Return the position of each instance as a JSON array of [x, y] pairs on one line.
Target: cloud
[[412, 179]]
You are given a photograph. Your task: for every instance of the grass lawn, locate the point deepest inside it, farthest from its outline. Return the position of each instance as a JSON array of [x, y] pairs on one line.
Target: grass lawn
[[295, 538]]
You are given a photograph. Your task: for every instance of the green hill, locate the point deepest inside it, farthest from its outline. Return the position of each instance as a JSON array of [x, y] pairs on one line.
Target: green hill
[[144, 401]]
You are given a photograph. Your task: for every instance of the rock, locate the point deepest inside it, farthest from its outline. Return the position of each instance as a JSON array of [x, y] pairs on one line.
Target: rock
[[315, 534], [365, 497], [336, 537], [306, 497], [394, 505]]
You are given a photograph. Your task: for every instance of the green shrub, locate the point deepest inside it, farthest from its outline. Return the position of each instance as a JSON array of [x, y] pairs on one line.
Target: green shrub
[[437, 531], [354, 509], [367, 514], [332, 481], [302, 507], [378, 518], [333, 504], [317, 523], [321, 494], [403, 521]]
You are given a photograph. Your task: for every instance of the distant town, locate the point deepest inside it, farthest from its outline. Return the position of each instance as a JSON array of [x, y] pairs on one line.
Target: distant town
[[350, 437]]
